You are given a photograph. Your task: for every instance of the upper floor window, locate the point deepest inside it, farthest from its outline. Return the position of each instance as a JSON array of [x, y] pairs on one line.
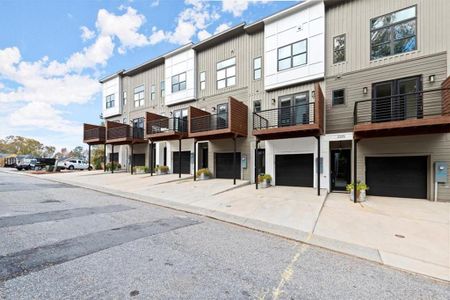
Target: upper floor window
[[257, 68], [339, 48], [179, 82], [139, 96], [338, 97], [292, 55], [163, 88], [393, 33], [153, 92], [110, 101], [226, 73], [202, 80], [257, 105], [124, 98]]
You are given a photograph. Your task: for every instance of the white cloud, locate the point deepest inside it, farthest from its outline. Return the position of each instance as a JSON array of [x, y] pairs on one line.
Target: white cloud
[[154, 3], [237, 7], [222, 27], [86, 33]]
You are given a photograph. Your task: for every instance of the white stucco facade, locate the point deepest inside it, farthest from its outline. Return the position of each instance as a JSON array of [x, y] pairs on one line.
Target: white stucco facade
[[112, 87], [180, 62]]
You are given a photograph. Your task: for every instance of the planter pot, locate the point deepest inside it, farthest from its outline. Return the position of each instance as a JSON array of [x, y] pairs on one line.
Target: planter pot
[[161, 172], [362, 196], [139, 172], [357, 195], [264, 184], [203, 177]]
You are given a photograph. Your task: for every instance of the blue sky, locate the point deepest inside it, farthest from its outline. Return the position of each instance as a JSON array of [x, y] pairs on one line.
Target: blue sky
[[52, 53]]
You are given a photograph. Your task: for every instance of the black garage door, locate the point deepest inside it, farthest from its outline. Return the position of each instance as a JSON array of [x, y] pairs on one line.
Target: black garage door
[[185, 162], [294, 170], [404, 176], [224, 165], [139, 159]]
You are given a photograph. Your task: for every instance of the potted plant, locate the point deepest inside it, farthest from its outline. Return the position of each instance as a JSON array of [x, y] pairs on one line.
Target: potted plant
[[140, 169], [161, 170], [203, 174], [113, 166], [361, 189], [264, 180]]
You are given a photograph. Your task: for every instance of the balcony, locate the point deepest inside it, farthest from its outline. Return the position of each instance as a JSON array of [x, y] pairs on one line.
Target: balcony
[[118, 133], [93, 134], [231, 122], [160, 128], [300, 120], [420, 112]]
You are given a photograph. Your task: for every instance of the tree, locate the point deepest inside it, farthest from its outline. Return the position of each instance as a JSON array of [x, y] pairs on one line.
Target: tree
[[97, 157], [21, 146], [48, 151], [77, 152]]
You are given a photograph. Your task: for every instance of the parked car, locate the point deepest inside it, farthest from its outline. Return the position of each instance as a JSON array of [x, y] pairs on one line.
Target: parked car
[[26, 164], [76, 164]]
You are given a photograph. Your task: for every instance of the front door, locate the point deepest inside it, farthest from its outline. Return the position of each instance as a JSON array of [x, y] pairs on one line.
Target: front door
[[222, 116], [340, 169]]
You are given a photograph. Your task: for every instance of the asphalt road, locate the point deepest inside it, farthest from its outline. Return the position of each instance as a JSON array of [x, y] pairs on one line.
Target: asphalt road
[[59, 241]]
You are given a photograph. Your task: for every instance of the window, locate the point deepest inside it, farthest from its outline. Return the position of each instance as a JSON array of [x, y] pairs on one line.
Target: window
[[202, 80], [292, 55], [257, 105], [339, 48], [257, 68], [294, 110], [179, 82], [139, 96], [163, 88], [338, 97], [393, 33], [110, 101], [153, 92], [180, 114], [124, 98], [226, 73], [138, 128]]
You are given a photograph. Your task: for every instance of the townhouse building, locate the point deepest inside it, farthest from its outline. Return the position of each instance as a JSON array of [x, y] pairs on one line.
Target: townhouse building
[[318, 95]]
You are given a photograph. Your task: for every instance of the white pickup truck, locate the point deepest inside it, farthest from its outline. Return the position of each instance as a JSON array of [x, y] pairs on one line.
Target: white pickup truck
[[76, 164]]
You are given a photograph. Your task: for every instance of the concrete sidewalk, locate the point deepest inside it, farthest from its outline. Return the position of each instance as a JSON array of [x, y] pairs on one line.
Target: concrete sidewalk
[[408, 234]]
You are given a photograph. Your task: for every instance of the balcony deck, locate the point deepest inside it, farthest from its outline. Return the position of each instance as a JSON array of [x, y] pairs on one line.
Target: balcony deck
[[290, 122], [233, 123], [422, 112], [122, 134], [94, 134], [161, 128]]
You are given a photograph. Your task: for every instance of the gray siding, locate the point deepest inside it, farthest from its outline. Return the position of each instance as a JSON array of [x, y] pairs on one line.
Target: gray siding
[[339, 118]]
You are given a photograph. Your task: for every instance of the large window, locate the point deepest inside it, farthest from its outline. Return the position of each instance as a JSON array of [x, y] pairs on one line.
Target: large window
[[339, 48], [294, 109], [110, 101], [202, 80], [163, 88], [393, 33], [226, 73], [179, 82], [139, 96], [292, 55], [257, 68], [153, 92], [138, 128]]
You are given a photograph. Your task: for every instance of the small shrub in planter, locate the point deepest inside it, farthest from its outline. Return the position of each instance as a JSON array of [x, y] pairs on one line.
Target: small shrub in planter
[[161, 170], [264, 180], [203, 174], [113, 166], [140, 169], [361, 189]]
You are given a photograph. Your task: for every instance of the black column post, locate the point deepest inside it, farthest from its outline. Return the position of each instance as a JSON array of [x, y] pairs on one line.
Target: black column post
[[195, 159], [234, 159], [89, 158], [256, 163], [112, 158], [132, 158], [318, 165], [179, 157], [355, 167], [104, 157], [151, 158]]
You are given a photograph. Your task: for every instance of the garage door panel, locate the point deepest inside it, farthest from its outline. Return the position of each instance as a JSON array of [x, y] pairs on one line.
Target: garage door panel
[[404, 176], [294, 170], [139, 159], [185, 162], [224, 165]]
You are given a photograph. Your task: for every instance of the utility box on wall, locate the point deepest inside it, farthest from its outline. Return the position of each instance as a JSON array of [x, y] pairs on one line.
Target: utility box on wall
[[441, 172]]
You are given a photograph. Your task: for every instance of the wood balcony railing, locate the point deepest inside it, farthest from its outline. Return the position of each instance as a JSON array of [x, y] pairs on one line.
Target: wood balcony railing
[[118, 133], [93, 134]]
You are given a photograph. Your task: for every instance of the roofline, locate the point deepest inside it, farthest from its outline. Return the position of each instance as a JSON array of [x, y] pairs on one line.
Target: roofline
[[111, 76], [178, 50], [212, 39], [290, 10], [146, 65]]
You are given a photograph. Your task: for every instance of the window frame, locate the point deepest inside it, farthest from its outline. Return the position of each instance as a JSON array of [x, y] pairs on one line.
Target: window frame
[[257, 69], [344, 49], [202, 82], [162, 87], [291, 56], [140, 101], [333, 97], [153, 92], [110, 101], [390, 27], [254, 106], [124, 98], [226, 73], [179, 83]]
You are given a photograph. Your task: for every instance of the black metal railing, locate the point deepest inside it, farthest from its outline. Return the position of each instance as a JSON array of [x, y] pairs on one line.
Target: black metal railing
[[137, 132], [284, 116], [416, 105], [94, 133], [167, 124], [209, 122]]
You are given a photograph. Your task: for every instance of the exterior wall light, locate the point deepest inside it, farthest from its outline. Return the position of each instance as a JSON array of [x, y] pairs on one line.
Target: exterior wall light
[[274, 101], [313, 94], [213, 108], [432, 78], [365, 90]]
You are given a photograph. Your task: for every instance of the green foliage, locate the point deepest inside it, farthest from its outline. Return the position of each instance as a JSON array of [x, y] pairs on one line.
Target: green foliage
[[360, 186], [264, 177], [141, 169], [25, 146], [113, 166], [97, 157], [204, 171], [162, 169]]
